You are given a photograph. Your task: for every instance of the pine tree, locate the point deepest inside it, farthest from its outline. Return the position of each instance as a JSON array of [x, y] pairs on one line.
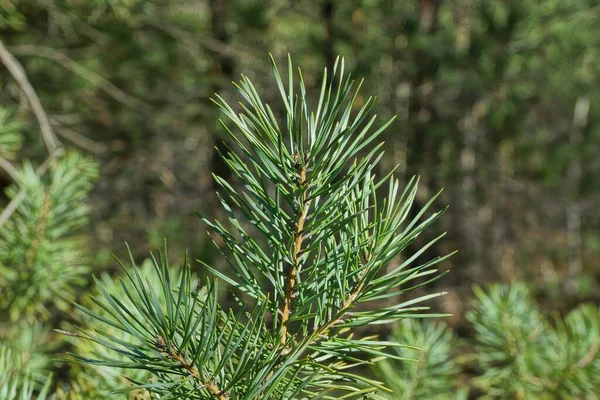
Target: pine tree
[[24, 364], [518, 352], [38, 238], [522, 355], [428, 369], [306, 241], [42, 258], [89, 382]]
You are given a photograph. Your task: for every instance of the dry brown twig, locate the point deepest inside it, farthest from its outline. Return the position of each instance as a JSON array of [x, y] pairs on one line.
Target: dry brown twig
[[8, 167], [54, 146], [79, 70], [17, 71], [78, 139]]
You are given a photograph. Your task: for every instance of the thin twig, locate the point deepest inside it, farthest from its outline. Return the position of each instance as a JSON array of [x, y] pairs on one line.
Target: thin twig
[[187, 365], [16, 201], [68, 333], [17, 71], [78, 139], [212, 386], [67, 119], [414, 382], [194, 41], [348, 304], [40, 230], [89, 75], [10, 170], [589, 356]]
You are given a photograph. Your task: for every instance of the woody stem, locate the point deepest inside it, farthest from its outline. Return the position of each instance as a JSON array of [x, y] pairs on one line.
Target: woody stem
[[292, 276]]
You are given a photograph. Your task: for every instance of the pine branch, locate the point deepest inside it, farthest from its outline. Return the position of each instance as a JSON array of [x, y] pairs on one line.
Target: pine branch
[[181, 359], [523, 355], [343, 311], [306, 240], [589, 357], [16, 201], [42, 261], [427, 368], [39, 231]]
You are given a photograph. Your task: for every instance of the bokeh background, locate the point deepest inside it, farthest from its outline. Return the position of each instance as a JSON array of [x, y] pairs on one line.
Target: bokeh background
[[497, 103]]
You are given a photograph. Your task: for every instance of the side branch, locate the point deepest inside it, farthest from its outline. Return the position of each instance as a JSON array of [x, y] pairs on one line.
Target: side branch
[[348, 303], [180, 358], [9, 169], [78, 139], [292, 276]]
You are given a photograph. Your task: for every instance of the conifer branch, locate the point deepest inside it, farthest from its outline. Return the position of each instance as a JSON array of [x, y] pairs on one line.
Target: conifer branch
[[16, 201], [78, 139], [187, 365], [40, 230], [344, 309], [589, 356], [314, 198]]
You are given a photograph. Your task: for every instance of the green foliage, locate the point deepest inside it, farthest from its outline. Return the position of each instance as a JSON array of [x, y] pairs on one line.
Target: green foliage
[[518, 353], [486, 91], [16, 386], [42, 260], [24, 363], [90, 381], [511, 337], [576, 362], [320, 238], [521, 354], [10, 137], [429, 370]]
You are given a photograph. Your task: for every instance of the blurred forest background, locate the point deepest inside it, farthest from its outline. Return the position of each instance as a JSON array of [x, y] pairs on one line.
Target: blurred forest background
[[497, 103]]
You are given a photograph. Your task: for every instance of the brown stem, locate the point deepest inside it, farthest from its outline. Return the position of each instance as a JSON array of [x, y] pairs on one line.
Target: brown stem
[[54, 147], [291, 282], [177, 356], [589, 356], [9, 168], [39, 231], [324, 330], [343, 310]]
